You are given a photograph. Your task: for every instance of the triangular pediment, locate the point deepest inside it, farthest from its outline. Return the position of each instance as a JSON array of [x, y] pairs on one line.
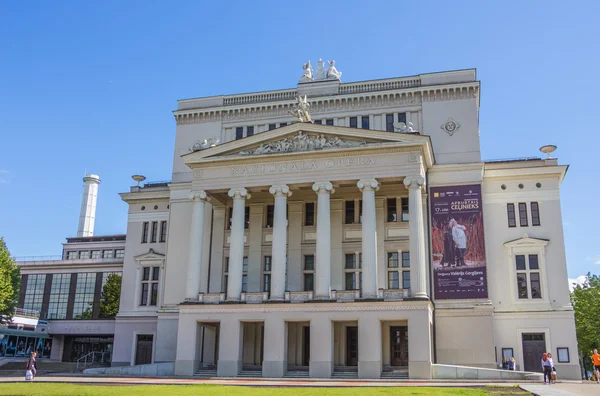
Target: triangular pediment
[[526, 241], [150, 255], [305, 137]]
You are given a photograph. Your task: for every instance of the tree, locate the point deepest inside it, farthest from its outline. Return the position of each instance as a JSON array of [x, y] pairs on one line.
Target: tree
[[586, 302], [10, 284], [111, 295]]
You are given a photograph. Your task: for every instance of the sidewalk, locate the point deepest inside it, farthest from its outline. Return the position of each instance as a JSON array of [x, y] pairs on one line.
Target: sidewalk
[[564, 389]]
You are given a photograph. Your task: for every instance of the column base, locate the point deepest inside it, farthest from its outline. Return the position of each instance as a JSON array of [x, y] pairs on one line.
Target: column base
[[419, 370], [272, 298], [229, 368], [184, 367], [320, 369], [273, 369], [369, 370]]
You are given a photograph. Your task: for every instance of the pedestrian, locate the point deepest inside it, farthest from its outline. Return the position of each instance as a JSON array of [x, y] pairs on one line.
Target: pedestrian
[[504, 363], [596, 363], [546, 368], [512, 364], [553, 373], [31, 363]]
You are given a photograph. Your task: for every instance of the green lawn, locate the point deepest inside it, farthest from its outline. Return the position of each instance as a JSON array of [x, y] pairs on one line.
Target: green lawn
[[210, 390]]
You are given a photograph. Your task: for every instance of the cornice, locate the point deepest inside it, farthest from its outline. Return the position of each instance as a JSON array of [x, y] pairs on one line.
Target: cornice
[[336, 307], [452, 313], [341, 102], [132, 197]]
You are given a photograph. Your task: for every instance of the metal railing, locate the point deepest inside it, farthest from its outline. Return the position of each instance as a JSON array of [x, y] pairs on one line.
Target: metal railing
[[93, 357], [26, 313], [38, 258]]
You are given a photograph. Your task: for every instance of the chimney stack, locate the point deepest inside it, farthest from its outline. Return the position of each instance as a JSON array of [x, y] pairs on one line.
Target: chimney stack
[[88, 206]]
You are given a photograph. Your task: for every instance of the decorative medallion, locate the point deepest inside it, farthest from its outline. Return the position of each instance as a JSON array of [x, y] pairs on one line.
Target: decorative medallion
[[450, 126]]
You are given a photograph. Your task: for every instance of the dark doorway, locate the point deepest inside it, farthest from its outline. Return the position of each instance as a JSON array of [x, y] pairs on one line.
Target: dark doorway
[[306, 346], [399, 345], [534, 345], [143, 350], [352, 346]]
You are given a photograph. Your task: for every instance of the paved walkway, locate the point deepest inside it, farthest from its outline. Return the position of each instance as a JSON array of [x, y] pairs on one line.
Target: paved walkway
[[564, 389]]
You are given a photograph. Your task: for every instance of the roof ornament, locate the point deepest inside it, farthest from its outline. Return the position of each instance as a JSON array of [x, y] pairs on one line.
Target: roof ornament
[[329, 73], [320, 70], [301, 110], [206, 143], [332, 72], [308, 73], [548, 149], [403, 127]]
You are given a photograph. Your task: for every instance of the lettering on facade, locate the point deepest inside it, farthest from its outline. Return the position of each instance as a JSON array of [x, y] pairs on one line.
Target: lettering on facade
[[299, 166], [73, 329]]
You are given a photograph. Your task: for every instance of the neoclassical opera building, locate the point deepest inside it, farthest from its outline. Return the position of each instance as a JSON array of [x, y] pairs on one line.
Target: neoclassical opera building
[[345, 230]]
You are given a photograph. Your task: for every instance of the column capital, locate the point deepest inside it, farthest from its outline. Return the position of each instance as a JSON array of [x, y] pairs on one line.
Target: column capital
[[199, 195], [368, 184], [414, 182], [323, 187], [280, 189], [239, 193]]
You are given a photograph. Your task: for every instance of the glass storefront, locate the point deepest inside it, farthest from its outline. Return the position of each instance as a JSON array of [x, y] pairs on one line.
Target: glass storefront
[[20, 344], [76, 347]]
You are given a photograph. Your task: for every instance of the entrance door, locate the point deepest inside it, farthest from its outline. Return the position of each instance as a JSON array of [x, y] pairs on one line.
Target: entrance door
[[399, 345], [352, 346], [534, 346], [143, 350], [306, 346]]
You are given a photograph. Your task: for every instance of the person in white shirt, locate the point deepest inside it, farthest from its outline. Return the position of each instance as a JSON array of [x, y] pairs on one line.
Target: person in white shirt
[[460, 239]]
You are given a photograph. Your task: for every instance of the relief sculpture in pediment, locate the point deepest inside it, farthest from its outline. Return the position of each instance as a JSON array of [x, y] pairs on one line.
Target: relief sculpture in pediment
[[302, 142]]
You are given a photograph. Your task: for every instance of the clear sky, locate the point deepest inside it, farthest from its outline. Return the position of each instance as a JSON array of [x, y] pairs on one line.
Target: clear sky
[[90, 86]]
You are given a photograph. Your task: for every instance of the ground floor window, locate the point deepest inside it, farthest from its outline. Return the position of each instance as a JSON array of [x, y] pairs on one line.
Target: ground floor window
[[13, 345], [76, 347]]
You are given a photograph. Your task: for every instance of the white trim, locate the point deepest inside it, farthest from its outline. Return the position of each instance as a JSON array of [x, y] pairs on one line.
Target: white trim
[[527, 246], [150, 216], [520, 331]]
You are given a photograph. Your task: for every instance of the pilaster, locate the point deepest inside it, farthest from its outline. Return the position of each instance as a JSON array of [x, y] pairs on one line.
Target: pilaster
[[255, 238]]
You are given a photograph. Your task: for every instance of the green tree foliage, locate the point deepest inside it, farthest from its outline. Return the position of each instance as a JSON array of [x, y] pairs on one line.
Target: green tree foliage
[[111, 295], [586, 301], [10, 283]]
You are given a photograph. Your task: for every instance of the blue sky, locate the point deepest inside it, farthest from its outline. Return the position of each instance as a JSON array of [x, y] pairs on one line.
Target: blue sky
[[90, 86]]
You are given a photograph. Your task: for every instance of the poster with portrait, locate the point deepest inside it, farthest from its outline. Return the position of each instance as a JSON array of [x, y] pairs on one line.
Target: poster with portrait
[[458, 243]]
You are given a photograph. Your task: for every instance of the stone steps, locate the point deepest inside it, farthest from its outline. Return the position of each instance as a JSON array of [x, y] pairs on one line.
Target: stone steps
[[345, 372], [206, 373], [296, 374], [251, 374]]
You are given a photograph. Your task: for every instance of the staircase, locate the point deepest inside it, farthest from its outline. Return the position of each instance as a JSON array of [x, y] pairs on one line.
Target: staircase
[[207, 371], [296, 372], [251, 372], [394, 373], [345, 372]]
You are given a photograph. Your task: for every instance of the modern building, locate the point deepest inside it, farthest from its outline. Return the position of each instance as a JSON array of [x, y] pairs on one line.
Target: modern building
[[65, 291]]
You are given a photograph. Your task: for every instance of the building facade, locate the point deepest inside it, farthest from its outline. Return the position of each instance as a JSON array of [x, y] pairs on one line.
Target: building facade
[[371, 240]]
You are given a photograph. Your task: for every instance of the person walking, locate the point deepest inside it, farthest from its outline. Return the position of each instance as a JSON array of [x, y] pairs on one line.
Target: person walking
[[596, 363], [31, 363], [553, 372], [546, 368]]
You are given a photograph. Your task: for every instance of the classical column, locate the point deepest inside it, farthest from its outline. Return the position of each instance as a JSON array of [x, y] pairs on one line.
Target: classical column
[[323, 262], [369, 238], [279, 246], [418, 267], [192, 286], [236, 243]]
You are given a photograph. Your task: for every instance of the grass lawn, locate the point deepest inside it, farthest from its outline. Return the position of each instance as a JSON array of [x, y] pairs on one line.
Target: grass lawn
[[210, 390]]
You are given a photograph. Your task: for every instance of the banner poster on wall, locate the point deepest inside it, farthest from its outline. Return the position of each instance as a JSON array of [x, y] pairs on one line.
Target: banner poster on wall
[[458, 243]]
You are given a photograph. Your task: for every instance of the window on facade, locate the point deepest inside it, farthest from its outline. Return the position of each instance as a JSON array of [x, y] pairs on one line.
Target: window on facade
[[405, 259], [150, 279], [353, 122], [247, 217], [84, 293], [163, 231], [145, 229], [267, 274], [34, 292], [349, 212], [59, 296], [105, 276], [108, 254], [404, 209], [318, 122], [309, 272], [535, 214], [523, 214], [72, 255], [364, 122], [352, 273], [389, 122], [309, 214], [270, 215], [154, 233], [329, 121], [528, 267], [239, 133], [84, 254], [391, 210], [250, 131], [360, 211], [282, 124], [244, 274], [402, 117], [96, 254], [272, 126], [512, 219], [393, 274], [406, 280], [119, 253]]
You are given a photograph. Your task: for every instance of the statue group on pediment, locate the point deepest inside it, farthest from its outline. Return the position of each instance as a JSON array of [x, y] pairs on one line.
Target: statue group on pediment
[[302, 142], [206, 143], [331, 73]]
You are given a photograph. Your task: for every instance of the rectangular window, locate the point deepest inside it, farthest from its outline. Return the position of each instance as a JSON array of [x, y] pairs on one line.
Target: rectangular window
[[267, 283], [150, 279], [239, 133], [389, 122], [533, 262], [309, 272], [309, 281], [309, 263], [364, 122], [523, 214], [393, 280], [266, 273], [309, 214], [534, 278], [535, 214], [351, 281], [96, 254], [520, 260], [405, 259], [145, 229], [353, 122], [244, 283], [34, 292], [270, 215], [154, 294], [247, 217], [402, 117], [268, 261], [360, 211], [404, 214], [163, 231], [350, 261], [272, 126], [84, 254], [329, 121], [507, 353], [84, 295], [349, 212], [406, 280], [72, 255], [154, 233], [391, 210], [512, 219], [59, 296], [120, 253], [522, 285], [318, 122], [392, 259], [249, 131], [282, 124], [108, 254]]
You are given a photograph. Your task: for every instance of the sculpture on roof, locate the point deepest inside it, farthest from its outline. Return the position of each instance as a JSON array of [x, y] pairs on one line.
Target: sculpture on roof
[[301, 110], [332, 72], [320, 70], [403, 127], [206, 143], [308, 73]]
